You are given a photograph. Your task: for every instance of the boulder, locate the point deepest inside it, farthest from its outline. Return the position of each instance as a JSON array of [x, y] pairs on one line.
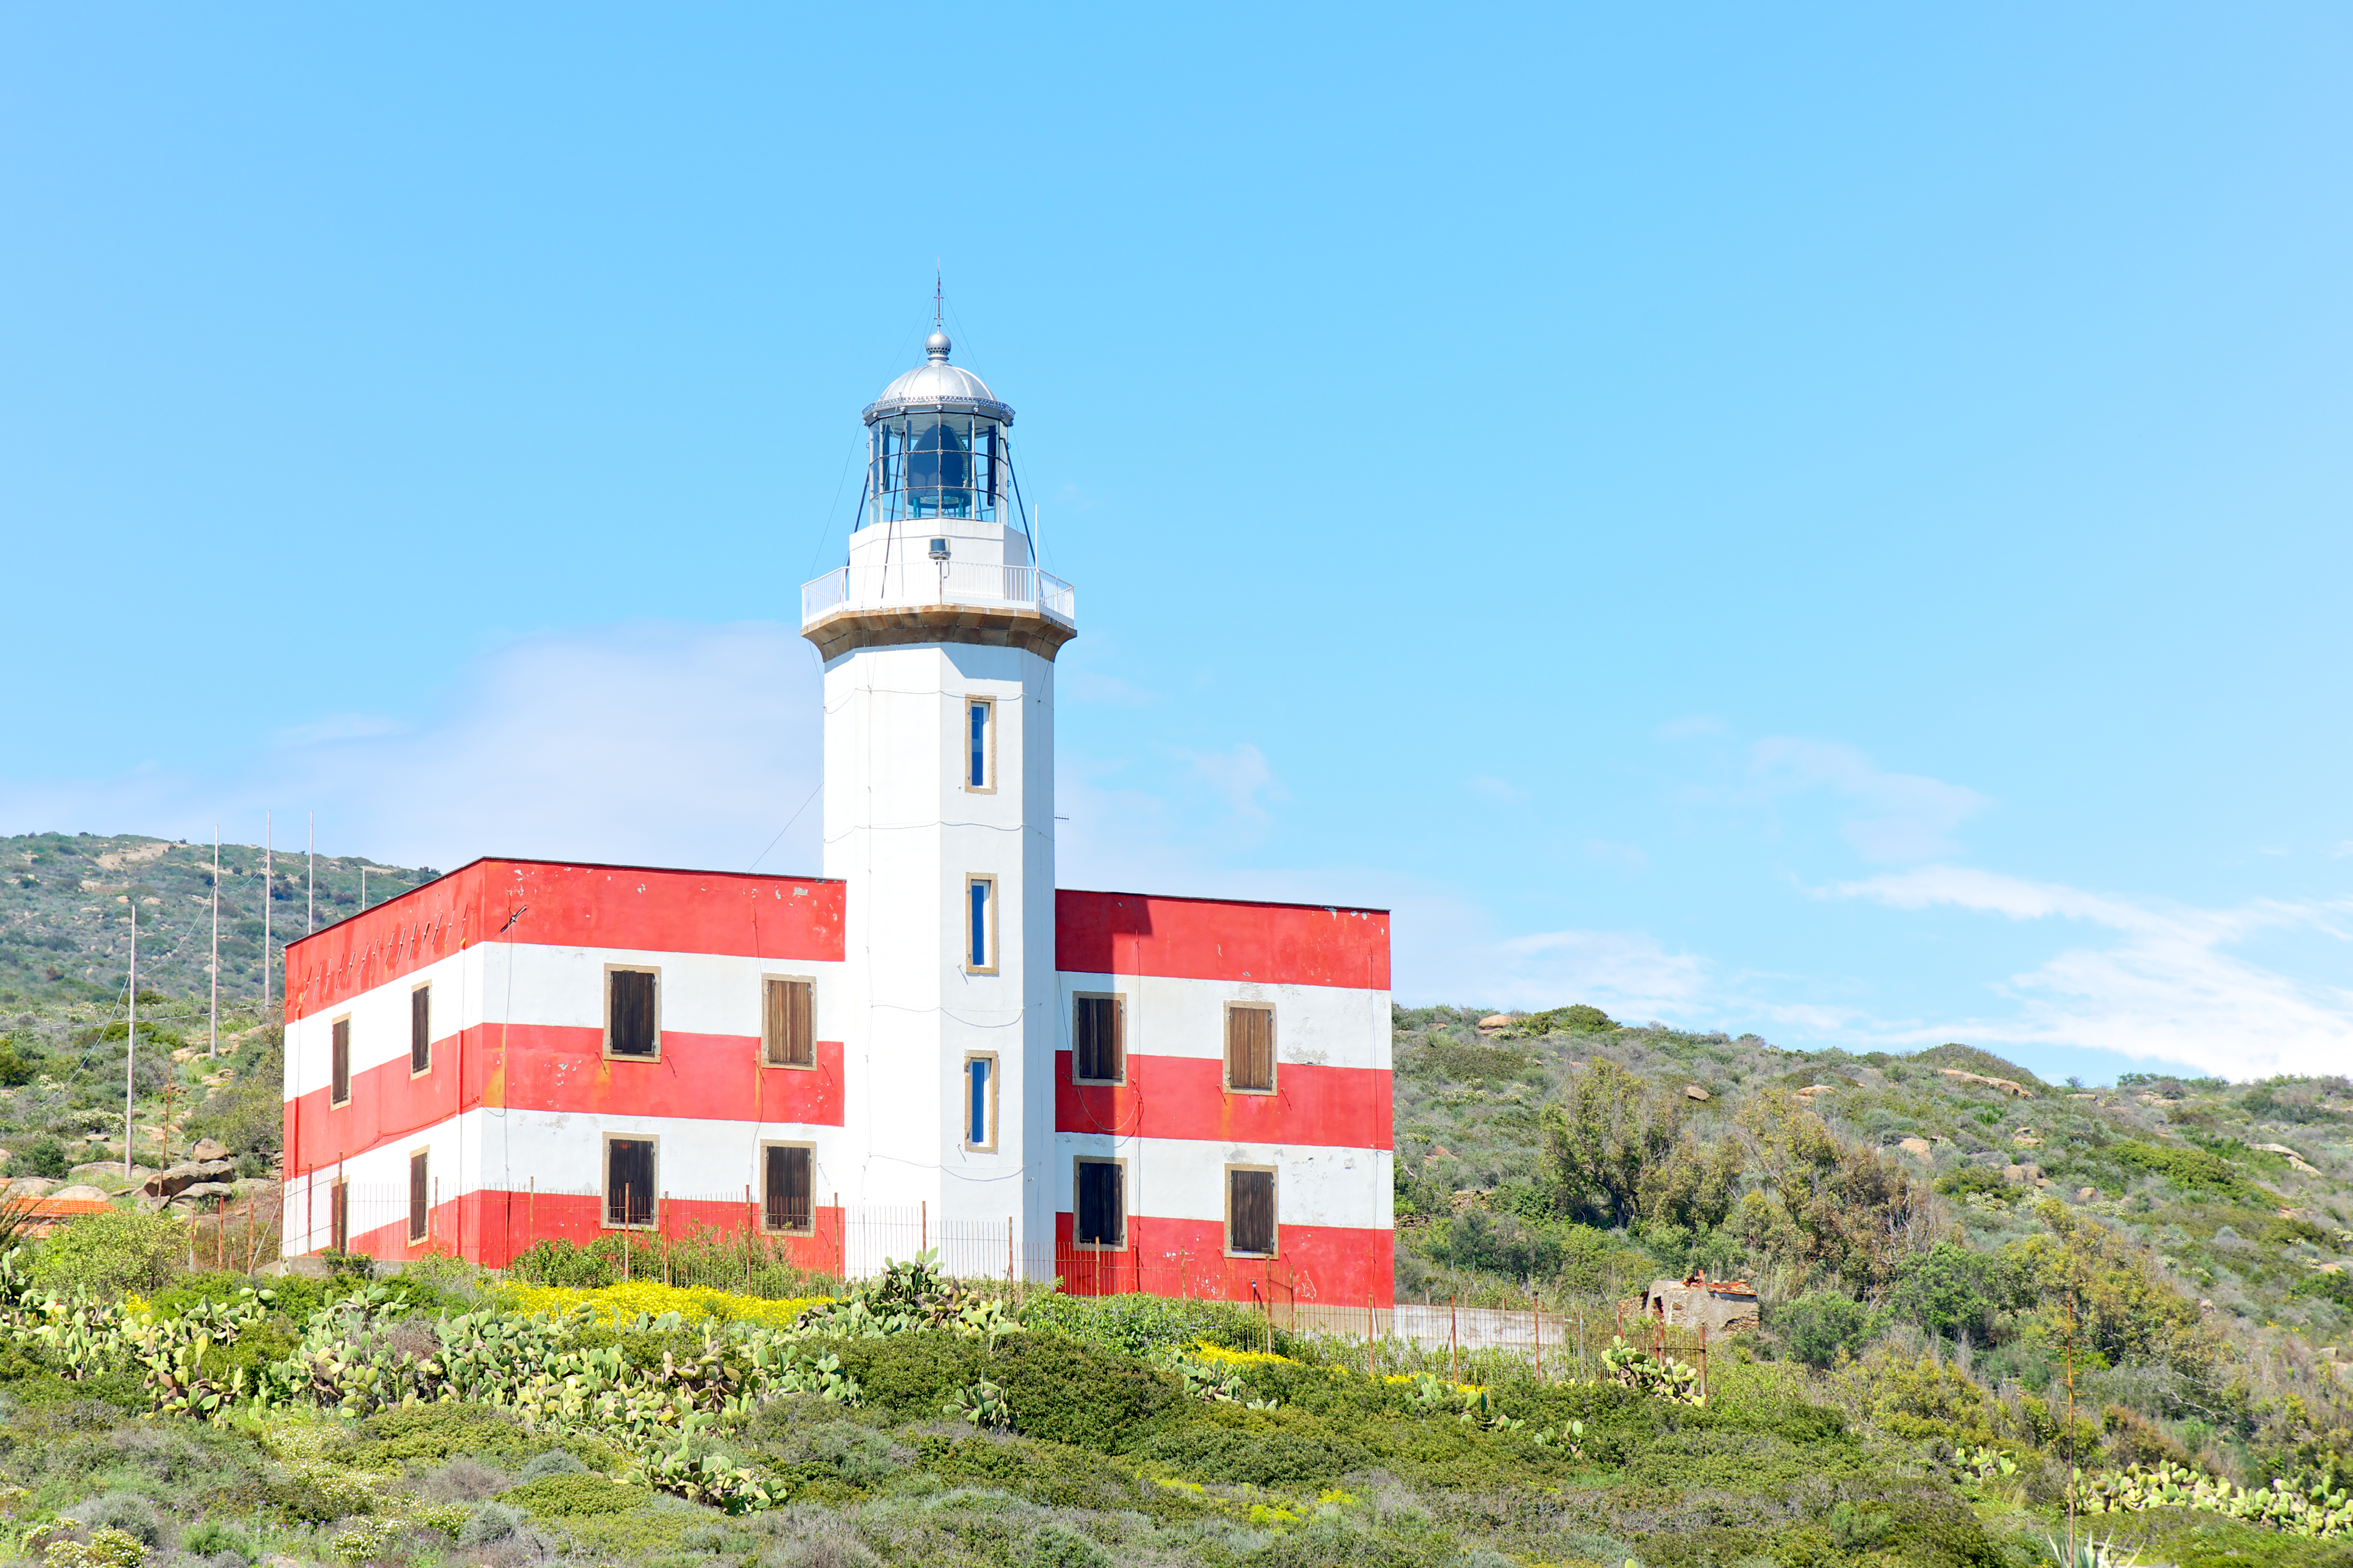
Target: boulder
[[196, 1195], [1693, 1091], [208, 1149], [179, 1178], [2085, 1194], [1494, 1021], [31, 1187], [2014, 1175], [82, 1192], [1917, 1148]]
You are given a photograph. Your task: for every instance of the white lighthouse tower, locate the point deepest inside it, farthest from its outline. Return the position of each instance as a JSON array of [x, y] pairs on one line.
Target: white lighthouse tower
[[938, 637]]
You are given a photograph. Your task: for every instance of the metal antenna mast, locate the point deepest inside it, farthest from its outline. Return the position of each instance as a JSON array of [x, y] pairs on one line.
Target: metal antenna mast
[[215, 1048], [130, 1039]]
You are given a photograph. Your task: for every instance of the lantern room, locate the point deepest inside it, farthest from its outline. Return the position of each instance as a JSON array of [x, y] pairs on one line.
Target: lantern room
[[936, 445]]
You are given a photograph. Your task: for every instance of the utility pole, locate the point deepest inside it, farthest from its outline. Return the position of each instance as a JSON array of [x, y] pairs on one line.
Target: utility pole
[[267, 868], [215, 1050], [364, 889], [130, 1039], [311, 888]]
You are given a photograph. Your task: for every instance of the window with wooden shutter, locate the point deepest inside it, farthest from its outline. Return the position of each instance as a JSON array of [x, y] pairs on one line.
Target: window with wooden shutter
[[1099, 1044], [631, 1026], [341, 1092], [1250, 1047], [788, 1029], [628, 1181], [1101, 1217], [789, 1188], [420, 1030], [339, 1218], [420, 1194], [1249, 1210]]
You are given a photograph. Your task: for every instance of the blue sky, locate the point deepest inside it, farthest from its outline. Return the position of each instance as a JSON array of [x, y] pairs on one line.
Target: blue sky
[[1827, 523]]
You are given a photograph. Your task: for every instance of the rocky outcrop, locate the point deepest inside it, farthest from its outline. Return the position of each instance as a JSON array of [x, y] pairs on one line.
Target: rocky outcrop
[[171, 1183], [2007, 1085]]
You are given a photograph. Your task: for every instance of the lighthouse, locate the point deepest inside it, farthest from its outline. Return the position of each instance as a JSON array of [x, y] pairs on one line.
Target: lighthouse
[[939, 635], [931, 1046]]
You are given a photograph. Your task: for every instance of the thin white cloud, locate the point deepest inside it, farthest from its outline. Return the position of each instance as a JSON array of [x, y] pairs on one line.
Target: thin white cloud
[[1488, 787], [1239, 779], [657, 742], [2166, 990], [1893, 817]]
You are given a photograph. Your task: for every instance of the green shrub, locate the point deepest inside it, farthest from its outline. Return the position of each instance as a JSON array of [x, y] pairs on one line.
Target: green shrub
[[114, 1253], [128, 1512], [210, 1538], [575, 1497], [1058, 1546], [1949, 1290], [555, 1462], [912, 1374], [41, 1157], [1856, 1527], [1230, 1457], [432, 1433], [1817, 1326], [1065, 1392], [2194, 1169]]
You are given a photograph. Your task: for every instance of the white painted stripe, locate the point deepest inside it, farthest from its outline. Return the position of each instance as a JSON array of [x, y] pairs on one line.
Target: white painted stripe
[[1323, 1026], [1178, 1178]]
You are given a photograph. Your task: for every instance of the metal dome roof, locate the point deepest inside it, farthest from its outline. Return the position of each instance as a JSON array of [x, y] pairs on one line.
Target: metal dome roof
[[936, 384]]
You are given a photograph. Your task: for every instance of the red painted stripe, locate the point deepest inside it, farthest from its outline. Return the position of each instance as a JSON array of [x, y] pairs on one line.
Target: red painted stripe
[[636, 908], [1185, 1096], [1333, 1265], [492, 1226], [1205, 939], [552, 1068]]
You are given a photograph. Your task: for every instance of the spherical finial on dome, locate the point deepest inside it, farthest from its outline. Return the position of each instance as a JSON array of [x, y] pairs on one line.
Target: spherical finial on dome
[[937, 346]]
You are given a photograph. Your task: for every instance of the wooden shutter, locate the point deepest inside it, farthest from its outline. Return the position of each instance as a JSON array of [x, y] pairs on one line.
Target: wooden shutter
[[1249, 1210], [343, 1069], [628, 1181], [789, 1187], [632, 1012], [419, 1195], [1250, 1047], [1103, 1205], [786, 1025], [1101, 1053], [339, 1218], [420, 1030]]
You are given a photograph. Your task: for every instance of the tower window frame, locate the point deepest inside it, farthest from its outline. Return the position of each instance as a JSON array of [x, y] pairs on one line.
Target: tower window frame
[[420, 1030], [977, 1102], [621, 1208], [1249, 1063], [977, 750], [339, 1060], [1095, 1060], [615, 1050], [981, 924], [1086, 1169], [1241, 1215], [788, 1021], [777, 1217]]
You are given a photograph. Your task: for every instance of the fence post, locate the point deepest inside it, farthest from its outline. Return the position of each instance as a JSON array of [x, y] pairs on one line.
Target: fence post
[[1535, 1320], [1453, 1338], [624, 1233], [1703, 1361], [433, 1217], [840, 1239], [1008, 1254], [531, 1215], [923, 1226]]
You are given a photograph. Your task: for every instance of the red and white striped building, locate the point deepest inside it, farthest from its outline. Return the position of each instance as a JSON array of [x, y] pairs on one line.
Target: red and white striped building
[[931, 1044]]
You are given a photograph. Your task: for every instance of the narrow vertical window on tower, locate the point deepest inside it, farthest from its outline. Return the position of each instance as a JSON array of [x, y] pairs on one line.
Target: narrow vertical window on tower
[[1101, 1217], [980, 925], [980, 1102], [420, 1191], [420, 1030], [789, 1188], [629, 1177], [339, 1089], [1249, 1210], [787, 1034], [980, 744], [1099, 1038], [632, 1012], [1250, 1047]]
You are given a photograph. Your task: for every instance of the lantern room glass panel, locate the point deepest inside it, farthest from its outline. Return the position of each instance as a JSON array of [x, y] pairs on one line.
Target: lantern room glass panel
[[936, 465]]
